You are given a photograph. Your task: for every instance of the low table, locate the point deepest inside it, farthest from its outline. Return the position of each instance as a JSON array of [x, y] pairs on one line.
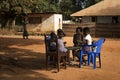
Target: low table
[[73, 48]]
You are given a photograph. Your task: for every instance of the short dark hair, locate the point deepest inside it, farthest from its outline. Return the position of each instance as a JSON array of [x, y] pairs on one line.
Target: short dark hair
[[60, 32], [86, 30], [53, 35], [79, 28]]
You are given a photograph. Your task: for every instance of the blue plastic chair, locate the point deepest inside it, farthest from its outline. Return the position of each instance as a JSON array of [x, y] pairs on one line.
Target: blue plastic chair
[[97, 45]]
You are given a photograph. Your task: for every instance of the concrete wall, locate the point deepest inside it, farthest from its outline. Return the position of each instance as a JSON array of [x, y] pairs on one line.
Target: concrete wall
[[57, 21], [49, 23], [52, 23]]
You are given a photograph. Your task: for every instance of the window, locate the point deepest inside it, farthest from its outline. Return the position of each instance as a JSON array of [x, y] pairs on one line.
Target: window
[[115, 19], [93, 19], [35, 20]]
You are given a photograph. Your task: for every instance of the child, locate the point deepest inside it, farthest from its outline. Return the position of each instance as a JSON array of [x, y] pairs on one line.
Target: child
[[88, 41], [61, 43], [52, 44], [87, 37], [77, 40]]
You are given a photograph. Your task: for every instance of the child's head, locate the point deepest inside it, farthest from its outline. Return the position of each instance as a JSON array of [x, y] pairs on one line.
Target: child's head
[[86, 31], [78, 30], [60, 33], [53, 35]]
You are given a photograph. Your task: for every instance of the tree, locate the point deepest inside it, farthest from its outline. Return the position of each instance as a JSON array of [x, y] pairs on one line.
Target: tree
[[11, 8], [91, 2], [45, 6], [66, 6]]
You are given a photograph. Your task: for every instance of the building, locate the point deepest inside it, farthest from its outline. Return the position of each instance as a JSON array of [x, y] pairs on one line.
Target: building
[[104, 17], [38, 23]]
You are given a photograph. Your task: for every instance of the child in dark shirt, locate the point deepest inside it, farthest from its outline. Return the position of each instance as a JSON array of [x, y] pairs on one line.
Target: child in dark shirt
[[77, 40], [52, 44]]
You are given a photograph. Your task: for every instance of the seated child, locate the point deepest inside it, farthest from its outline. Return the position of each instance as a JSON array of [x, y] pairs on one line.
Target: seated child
[[52, 44], [88, 41], [61, 44], [77, 40]]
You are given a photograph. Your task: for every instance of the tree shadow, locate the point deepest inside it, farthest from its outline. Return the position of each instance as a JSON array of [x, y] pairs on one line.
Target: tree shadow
[[21, 63]]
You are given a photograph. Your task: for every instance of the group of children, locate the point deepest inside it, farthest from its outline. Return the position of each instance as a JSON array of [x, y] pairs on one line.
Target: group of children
[[52, 44], [59, 37], [82, 36]]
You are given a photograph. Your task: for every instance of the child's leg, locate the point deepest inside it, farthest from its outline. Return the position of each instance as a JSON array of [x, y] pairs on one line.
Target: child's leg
[[84, 58]]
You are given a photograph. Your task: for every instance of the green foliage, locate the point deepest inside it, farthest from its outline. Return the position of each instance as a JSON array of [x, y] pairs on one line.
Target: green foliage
[[15, 6], [47, 6], [12, 8], [66, 6], [91, 2], [4, 6]]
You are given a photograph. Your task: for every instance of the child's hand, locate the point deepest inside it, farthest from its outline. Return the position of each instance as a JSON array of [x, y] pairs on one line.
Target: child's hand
[[65, 42]]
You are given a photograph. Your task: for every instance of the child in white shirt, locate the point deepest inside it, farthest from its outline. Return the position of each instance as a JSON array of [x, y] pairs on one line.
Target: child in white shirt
[[61, 44], [88, 41]]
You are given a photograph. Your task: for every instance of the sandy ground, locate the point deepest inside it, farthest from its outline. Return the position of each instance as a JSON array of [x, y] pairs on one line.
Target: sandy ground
[[24, 59]]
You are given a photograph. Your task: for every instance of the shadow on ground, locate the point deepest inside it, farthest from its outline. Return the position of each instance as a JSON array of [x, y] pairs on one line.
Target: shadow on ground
[[20, 64]]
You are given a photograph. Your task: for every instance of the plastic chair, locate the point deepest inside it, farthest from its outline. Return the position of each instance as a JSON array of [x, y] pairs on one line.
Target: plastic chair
[[55, 54], [93, 54]]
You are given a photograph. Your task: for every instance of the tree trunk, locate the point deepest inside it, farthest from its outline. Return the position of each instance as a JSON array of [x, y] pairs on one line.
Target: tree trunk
[[4, 21], [11, 23]]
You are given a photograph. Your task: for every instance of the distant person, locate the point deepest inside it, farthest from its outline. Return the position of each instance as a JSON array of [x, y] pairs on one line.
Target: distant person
[[25, 32], [25, 35], [77, 41]]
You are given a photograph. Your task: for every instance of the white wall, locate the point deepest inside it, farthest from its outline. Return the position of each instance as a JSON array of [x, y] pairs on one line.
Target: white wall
[[51, 23], [57, 21], [47, 23]]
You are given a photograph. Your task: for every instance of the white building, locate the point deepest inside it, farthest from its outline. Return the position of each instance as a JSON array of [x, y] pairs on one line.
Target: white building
[[43, 22]]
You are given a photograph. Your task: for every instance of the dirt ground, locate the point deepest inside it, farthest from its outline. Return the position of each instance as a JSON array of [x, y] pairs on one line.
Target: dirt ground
[[24, 59]]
